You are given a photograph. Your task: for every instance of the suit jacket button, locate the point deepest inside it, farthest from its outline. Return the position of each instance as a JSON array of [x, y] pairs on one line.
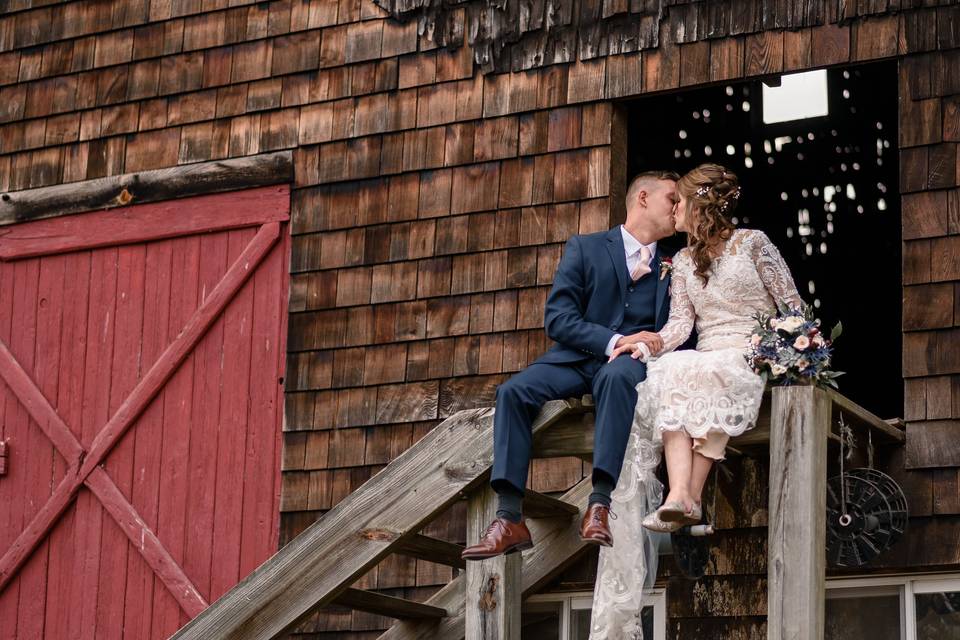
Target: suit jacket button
[[627, 305]]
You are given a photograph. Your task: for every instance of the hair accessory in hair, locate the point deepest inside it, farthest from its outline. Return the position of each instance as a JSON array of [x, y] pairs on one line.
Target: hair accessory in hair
[[734, 195], [703, 190]]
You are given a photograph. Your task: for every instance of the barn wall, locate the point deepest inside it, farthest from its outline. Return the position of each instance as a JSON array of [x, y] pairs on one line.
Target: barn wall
[[431, 201]]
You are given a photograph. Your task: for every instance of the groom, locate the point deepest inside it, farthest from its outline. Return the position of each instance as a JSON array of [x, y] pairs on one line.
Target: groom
[[607, 291]]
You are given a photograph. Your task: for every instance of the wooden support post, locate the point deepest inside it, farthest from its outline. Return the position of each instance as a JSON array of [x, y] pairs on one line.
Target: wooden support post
[[796, 573], [493, 586]]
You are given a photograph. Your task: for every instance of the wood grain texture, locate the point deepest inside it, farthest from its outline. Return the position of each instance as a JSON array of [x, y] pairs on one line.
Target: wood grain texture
[[556, 546], [319, 564], [149, 186], [797, 528], [492, 591]]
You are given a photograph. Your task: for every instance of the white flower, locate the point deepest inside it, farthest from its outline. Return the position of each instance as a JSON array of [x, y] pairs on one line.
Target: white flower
[[801, 343], [755, 340], [790, 324], [778, 369], [818, 340], [802, 364]]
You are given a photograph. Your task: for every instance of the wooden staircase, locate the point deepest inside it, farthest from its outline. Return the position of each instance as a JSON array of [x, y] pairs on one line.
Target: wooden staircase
[[385, 516], [451, 463]]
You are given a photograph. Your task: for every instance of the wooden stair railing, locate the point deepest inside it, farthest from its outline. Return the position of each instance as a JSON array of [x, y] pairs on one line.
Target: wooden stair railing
[[452, 462], [383, 516]]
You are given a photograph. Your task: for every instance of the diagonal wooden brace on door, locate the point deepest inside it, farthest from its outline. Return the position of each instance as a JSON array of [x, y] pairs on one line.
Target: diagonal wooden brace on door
[[84, 467]]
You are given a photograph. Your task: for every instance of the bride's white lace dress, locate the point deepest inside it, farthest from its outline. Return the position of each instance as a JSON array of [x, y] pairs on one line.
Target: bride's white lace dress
[[710, 388]]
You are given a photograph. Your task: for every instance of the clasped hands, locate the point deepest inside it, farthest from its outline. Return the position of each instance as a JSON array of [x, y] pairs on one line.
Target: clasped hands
[[641, 345]]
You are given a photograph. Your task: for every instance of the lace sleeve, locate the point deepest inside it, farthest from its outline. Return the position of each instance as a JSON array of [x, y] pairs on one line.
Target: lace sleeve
[[682, 314], [774, 272]]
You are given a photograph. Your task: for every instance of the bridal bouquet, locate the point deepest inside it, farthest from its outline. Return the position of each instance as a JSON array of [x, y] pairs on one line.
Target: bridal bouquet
[[790, 349]]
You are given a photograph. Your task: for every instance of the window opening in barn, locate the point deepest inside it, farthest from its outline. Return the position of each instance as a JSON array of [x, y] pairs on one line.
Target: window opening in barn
[[823, 187]]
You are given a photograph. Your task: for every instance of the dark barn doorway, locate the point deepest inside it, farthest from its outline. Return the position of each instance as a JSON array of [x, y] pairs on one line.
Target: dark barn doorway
[[824, 188]]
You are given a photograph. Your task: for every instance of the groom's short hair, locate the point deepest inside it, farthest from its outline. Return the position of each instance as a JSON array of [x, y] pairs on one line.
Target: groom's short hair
[[645, 178]]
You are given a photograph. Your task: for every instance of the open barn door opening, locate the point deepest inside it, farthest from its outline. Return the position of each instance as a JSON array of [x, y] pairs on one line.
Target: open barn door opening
[[816, 154]]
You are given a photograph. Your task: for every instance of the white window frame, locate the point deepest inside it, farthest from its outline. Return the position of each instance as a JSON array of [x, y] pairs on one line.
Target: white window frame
[[578, 600], [906, 586]]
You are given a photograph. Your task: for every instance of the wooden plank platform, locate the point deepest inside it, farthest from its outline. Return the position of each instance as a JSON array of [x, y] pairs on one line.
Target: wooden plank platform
[[432, 549], [390, 606]]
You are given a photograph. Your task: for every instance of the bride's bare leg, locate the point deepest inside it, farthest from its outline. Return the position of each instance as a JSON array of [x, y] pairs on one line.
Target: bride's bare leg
[[677, 450], [698, 476]]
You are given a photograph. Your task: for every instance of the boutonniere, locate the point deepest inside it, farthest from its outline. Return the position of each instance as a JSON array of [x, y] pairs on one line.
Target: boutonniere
[[666, 267]]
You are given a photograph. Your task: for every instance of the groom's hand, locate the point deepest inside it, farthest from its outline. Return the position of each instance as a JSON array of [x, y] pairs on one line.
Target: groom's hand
[[626, 344]]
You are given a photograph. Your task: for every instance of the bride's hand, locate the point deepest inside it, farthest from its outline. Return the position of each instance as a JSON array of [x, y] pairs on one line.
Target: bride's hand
[[627, 347]]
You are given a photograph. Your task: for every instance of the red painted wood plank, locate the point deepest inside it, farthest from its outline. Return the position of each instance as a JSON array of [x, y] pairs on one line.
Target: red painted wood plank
[[137, 531], [69, 405], [43, 460], [146, 222], [8, 409], [33, 401], [142, 394], [141, 581], [261, 498], [178, 399], [124, 376], [95, 412], [204, 421], [234, 428], [22, 281], [23, 342]]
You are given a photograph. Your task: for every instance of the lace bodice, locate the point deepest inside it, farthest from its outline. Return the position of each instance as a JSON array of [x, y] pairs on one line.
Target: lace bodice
[[749, 276]]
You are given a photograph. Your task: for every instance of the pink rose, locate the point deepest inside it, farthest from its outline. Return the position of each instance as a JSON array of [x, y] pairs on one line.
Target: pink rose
[[755, 340], [801, 343], [818, 341]]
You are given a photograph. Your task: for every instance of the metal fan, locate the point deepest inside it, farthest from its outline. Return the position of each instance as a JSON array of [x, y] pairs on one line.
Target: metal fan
[[866, 514]]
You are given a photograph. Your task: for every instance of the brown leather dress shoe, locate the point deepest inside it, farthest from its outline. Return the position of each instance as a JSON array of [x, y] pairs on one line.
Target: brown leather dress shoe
[[594, 528], [502, 536]]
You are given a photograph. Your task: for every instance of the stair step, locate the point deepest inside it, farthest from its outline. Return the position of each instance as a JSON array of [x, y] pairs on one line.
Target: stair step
[[538, 505], [380, 604], [432, 549]]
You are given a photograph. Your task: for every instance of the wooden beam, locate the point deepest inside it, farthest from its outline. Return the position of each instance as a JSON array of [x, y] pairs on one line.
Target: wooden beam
[[886, 431], [492, 607], [796, 573], [432, 549], [556, 545], [146, 186], [365, 527], [572, 436], [538, 505], [150, 222], [384, 605]]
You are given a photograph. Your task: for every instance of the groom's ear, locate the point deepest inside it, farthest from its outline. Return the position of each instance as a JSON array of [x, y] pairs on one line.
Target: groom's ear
[[642, 197]]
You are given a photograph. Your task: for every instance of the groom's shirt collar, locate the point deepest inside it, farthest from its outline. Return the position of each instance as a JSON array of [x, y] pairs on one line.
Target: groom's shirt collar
[[631, 245]]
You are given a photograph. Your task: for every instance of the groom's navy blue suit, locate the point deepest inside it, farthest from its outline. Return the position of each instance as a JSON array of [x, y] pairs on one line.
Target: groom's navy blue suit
[[593, 298]]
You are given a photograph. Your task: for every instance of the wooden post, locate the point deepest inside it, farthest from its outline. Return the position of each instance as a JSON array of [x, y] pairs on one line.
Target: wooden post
[[493, 586], [796, 573]]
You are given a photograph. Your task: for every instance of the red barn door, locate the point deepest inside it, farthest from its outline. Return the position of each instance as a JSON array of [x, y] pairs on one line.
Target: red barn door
[[141, 355]]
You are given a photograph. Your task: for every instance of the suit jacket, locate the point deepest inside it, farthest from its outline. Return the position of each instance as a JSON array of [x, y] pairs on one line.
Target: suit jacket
[[585, 306]]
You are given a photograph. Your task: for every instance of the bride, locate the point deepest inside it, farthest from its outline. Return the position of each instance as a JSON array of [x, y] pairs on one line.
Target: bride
[[693, 400]]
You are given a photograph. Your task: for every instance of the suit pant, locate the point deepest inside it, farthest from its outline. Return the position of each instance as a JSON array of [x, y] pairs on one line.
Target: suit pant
[[519, 400]]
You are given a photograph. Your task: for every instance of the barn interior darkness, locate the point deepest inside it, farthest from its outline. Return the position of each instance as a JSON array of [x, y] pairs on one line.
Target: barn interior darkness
[[825, 190]]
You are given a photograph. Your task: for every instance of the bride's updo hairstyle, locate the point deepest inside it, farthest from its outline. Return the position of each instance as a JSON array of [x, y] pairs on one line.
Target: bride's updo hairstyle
[[712, 193]]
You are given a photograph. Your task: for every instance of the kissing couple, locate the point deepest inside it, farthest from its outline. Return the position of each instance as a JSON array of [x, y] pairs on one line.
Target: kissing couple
[[619, 310]]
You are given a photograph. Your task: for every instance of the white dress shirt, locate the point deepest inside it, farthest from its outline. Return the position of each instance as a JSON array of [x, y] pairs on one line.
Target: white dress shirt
[[631, 248]]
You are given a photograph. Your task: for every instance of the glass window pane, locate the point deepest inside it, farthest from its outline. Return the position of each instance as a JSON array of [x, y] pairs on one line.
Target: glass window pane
[[581, 623], [541, 620], [863, 618], [938, 616]]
